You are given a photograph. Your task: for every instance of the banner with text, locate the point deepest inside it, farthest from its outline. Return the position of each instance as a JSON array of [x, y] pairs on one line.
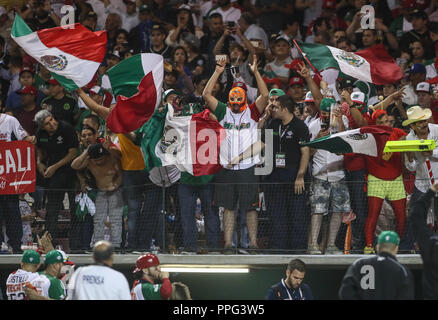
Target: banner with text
[[17, 167]]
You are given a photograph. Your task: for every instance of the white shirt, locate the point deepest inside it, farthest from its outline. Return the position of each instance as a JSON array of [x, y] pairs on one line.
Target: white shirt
[[326, 165], [232, 14], [10, 125], [279, 69], [16, 282], [116, 6], [97, 282], [309, 120], [130, 21], [256, 32], [422, 179], [241, 133]]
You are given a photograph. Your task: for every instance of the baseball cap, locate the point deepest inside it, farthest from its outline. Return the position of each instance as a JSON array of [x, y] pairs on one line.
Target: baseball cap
[[376, 114], [30, 256], [418, 68], [115, 53], [358, 97], [329, 4], [423, 87], [146, 261], [91, 14], [25, 69], [418, 14], [276, 92], [144, 7], [309, 97], [240, 84], [326, 104], [169, 92], [129, 1], [158, 27], [52, 257], [184, 7], [96, 151], [412, 4], [53, 81], [28, 90], [284, 38], [388, 237], [296, 80], [66, 258], [272, 80], [346, 83]]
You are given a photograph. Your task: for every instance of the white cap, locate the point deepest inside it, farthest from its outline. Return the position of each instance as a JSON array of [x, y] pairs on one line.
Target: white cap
[[358, 97], [423, 87], [3, 11], [309, 97]]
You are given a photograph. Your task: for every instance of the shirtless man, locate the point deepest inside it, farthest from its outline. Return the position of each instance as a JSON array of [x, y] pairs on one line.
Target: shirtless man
[[103, 160]]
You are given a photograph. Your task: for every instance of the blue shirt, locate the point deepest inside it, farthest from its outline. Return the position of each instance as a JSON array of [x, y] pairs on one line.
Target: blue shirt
[[13, 100], [281, 291]]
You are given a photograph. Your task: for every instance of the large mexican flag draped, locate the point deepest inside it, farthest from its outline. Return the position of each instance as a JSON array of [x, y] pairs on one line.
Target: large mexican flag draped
[[373, 64], [191, 143], [72, 55], [369, 140], [137, 83]]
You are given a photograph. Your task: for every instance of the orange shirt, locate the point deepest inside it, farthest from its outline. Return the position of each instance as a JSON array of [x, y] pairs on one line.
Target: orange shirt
[[132, 158]]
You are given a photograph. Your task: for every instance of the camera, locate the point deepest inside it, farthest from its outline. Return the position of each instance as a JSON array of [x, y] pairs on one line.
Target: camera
[[230, 24]]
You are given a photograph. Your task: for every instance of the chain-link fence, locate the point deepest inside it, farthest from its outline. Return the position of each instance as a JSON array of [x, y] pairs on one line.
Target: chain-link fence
[[264, 218]]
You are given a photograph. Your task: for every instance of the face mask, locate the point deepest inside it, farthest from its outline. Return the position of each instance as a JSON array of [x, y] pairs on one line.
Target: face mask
[[237, 96]]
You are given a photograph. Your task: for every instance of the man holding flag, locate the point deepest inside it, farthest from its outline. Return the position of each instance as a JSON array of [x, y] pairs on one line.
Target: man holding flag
[[240, 122]]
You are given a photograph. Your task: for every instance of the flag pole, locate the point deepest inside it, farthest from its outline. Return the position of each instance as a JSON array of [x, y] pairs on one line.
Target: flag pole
[[307, 59]]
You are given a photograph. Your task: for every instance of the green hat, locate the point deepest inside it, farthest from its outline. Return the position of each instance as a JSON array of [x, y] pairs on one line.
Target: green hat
[[388, 237], [276, 92], [53, 256], [169, 92], [30, 256], [326, 104]]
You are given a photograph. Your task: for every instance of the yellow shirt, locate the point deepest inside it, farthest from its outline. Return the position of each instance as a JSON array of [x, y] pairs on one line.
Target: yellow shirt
[[132, 158]]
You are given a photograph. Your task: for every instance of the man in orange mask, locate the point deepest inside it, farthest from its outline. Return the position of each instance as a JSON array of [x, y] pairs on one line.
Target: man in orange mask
[[240, 122]]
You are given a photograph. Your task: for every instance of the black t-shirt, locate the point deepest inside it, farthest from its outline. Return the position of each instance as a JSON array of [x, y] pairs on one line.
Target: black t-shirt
[[290, 135], [63, 109], [166, 52], [56, 146]]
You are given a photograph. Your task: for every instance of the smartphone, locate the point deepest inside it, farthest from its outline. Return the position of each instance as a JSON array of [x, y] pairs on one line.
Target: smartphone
[[220, 57], [230, 24], [255, 44]]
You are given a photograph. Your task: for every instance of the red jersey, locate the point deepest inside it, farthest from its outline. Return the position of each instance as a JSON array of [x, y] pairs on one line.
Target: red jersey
[[387, 169], [434, 109]]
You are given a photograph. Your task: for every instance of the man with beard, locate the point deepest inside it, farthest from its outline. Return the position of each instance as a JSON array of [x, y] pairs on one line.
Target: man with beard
[[240, 122], [151, 283], [291, 288], [44, 18]]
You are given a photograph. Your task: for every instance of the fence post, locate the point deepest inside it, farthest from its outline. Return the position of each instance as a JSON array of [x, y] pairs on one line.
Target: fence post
[[163, 215]]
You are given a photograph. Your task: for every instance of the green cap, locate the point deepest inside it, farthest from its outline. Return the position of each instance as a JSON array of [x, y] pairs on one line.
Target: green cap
[[276, 92], [388, 237], [326, 104], [169, 92], [30, 256], [53, 256]]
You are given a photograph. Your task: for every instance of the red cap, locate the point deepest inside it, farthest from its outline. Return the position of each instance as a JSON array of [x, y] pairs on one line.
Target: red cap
[[241, 85], [295, 64], [28, 90], [53, 81], [273, 80], [416, 4], [146, 261], [329, 4], [296, 80], [376, 114], [24, 69]]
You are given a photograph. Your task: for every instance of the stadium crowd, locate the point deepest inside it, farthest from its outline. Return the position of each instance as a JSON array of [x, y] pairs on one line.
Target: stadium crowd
[[219, 54]]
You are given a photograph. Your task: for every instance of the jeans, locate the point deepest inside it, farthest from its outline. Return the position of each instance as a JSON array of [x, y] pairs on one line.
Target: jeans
[[288, 211], [11, 217], [150, 222], [243, 236], [188, 194], [359, 204], [133, 194]]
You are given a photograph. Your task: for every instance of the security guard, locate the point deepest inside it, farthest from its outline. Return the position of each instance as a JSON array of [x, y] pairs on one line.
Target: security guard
[[380, 277], [291, 288]]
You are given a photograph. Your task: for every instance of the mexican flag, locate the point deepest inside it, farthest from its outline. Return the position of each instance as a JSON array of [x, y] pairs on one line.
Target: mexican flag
[[71, 53], [126, 75], [191, 143], [368, 140], [373, 64], [135, 107]]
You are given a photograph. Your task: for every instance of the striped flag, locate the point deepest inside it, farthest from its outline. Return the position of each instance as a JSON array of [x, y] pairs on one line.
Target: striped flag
[[368, 140], [191, 143], [373, 64], [137, 82], [71, 55]]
